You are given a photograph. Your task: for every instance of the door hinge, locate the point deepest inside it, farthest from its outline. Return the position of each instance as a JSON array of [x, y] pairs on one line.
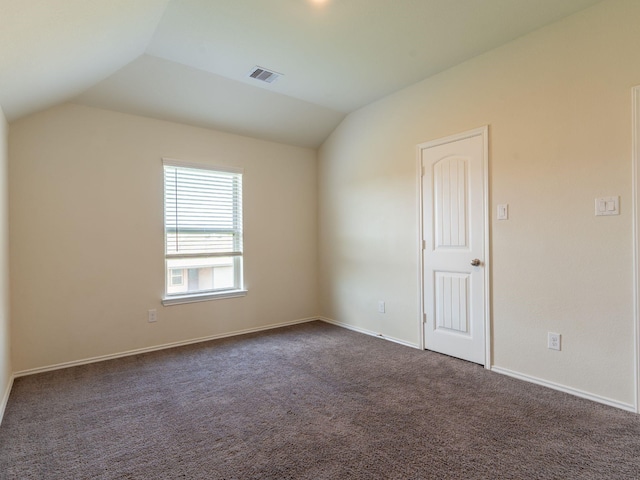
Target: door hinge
[[423, 171], [424, 318], [424, 244]]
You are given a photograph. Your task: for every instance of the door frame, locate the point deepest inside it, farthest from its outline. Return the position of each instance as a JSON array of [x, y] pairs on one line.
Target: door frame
[[484, 133], [635, 165]]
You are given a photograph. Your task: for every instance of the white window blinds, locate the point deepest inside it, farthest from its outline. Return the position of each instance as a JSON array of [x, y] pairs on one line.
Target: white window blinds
[[203, 212]]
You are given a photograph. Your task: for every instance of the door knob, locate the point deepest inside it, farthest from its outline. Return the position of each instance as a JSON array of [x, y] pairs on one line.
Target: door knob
[[475, 262]]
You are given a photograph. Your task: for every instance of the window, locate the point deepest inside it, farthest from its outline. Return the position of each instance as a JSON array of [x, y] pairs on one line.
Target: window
[[177, 277], [203, 232]]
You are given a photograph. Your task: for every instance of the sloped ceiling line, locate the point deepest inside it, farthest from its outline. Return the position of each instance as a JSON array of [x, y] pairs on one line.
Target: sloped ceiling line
[[187, 60]]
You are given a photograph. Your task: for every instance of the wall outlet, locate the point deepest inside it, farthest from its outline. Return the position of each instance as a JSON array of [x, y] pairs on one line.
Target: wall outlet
[[152, 316], [381, 307], [553, 342]]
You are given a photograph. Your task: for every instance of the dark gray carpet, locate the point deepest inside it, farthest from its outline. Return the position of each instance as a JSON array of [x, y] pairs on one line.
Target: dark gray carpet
[[311, 401]]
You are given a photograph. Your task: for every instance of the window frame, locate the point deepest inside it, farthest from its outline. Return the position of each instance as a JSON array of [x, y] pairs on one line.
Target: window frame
[[238, 255]]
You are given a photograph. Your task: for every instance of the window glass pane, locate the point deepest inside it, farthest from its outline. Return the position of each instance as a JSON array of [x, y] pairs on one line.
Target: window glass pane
[[203, 229], [203, 274]]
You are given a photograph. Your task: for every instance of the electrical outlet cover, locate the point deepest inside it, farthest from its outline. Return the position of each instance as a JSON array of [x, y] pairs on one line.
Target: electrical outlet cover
[[554, 341]]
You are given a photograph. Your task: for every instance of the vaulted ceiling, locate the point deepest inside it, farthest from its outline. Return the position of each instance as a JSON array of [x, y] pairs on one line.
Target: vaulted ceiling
[[188, 60]]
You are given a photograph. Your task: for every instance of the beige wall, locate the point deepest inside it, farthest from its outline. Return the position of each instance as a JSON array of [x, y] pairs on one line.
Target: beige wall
[[5, 350], [558, 103], [86, 230]]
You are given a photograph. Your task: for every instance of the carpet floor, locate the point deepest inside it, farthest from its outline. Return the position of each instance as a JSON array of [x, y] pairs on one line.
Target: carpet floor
[[311, 401]]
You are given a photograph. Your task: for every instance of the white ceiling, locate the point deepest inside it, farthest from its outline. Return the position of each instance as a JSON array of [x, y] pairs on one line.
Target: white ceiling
[[187, 60]]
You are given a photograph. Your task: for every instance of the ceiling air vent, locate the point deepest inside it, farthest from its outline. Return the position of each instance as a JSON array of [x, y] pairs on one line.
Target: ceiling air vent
[[264, 75]]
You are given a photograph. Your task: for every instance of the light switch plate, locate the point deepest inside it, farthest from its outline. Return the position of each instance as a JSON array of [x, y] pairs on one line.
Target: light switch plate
[[607, 206], [503, 211]]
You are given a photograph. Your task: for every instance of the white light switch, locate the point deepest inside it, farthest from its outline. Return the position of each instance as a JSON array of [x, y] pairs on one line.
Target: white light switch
[[608, 206], [503, 211]]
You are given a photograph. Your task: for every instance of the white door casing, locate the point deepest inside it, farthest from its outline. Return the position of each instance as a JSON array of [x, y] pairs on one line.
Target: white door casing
[[454, 237], [635, 163]]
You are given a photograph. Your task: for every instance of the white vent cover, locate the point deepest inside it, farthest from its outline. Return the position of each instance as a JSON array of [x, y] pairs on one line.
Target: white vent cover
[[264, 75]]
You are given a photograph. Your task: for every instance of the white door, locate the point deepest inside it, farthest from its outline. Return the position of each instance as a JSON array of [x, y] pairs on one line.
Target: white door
[[454, 254]]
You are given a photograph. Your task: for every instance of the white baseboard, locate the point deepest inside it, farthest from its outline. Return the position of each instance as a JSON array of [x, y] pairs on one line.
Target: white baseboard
[[139, 351], [5, 398], [504, 371], [565, 389], [368, 332], [500, 370]]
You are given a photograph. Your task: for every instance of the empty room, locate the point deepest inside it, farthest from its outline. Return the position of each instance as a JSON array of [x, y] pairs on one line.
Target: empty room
[[319, 239]]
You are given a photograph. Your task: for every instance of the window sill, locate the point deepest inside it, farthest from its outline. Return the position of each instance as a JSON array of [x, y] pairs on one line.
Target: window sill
[[202, 297]]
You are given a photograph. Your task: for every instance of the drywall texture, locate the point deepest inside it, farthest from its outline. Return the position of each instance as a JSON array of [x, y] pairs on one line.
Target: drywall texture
[[558, 103], [86, 230], [5, 350]]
